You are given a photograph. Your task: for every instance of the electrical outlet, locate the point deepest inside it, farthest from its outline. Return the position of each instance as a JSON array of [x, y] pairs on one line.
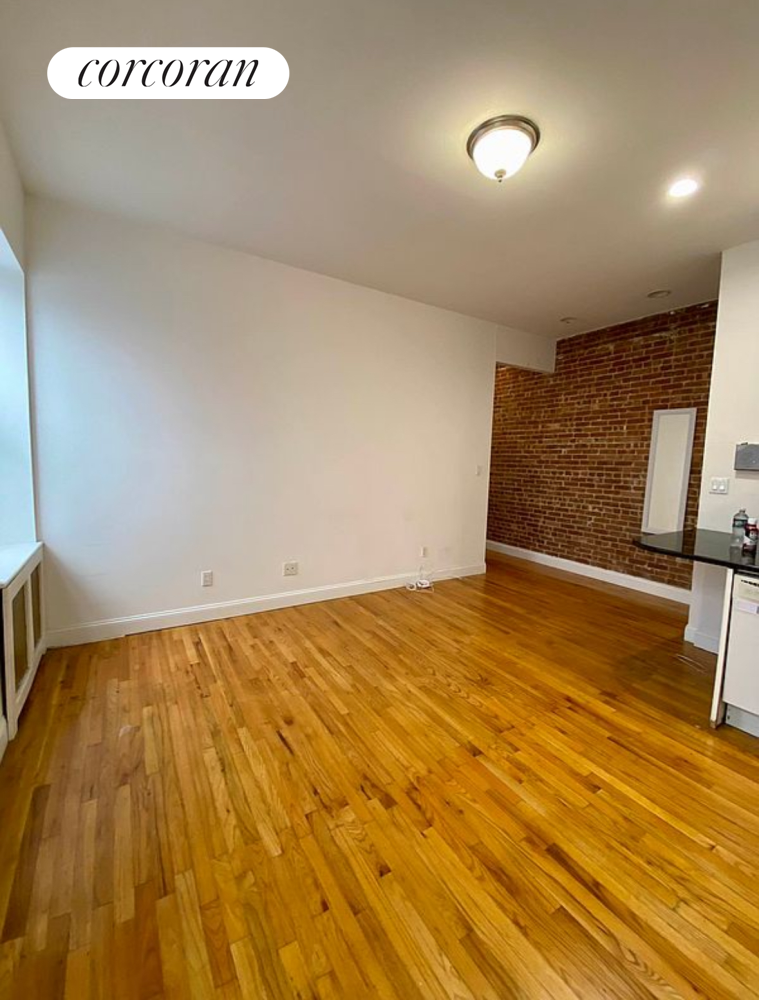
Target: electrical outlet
[[423, 551], [479, 469], [206, 578], [718, 484], [290, 569]]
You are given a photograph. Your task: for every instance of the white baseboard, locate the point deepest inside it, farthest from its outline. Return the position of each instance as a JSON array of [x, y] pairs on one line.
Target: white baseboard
[[666, 590], [704, 640], [114, 628]]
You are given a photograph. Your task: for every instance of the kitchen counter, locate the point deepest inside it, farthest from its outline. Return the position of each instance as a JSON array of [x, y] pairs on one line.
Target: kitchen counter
[[700, 545], [734, 696]]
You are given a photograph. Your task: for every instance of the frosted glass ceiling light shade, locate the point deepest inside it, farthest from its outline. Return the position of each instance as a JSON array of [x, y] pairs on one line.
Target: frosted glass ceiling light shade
[[683, 188], [500, 146]]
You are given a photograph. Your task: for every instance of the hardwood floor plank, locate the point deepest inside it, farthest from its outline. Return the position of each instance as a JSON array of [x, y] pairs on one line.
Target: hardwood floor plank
[[78, 966], [502, 788], [194, 947], [123, 873], [217, 943], [84, 883], [174, 969], [17, 913], [147, 946]]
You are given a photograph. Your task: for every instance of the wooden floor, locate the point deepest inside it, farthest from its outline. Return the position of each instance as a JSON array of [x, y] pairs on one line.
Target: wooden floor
[[503, 789]]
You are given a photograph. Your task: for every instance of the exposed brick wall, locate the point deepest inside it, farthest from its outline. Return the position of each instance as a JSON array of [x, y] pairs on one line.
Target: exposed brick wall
[[570, 450]]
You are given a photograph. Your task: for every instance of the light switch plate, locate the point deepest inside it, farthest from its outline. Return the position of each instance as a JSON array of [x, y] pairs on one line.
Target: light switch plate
[[719, 484]]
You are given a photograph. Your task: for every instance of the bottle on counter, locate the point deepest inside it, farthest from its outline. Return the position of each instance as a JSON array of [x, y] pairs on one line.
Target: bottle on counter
[[740, 521], [752, 533]]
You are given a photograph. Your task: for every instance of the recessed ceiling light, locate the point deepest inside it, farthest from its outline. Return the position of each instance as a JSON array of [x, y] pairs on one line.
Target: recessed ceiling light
[[568, 319], [683, 188], [660, 293], [500, 146]]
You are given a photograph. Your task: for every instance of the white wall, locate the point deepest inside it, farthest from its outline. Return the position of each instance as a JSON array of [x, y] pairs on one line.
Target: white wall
[[198, 408], [11, 199], [733, 417], [529, 351]]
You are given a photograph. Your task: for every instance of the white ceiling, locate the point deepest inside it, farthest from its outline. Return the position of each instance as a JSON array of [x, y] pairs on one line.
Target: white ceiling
[[358, 169]]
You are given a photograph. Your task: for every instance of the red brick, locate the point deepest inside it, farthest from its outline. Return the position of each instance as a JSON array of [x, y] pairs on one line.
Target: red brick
[[570, 450]]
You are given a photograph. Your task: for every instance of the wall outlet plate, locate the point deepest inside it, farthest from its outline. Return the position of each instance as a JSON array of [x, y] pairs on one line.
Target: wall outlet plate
[[290, 569], [206, 578]]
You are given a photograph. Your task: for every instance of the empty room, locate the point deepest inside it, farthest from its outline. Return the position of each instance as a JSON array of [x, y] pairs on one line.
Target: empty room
[[379, 500]]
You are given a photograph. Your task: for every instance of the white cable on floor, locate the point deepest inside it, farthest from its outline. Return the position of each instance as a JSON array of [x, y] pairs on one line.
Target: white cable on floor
[[421, 583]]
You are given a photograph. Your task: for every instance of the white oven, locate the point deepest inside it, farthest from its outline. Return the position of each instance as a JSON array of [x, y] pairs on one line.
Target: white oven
[[741, 687]]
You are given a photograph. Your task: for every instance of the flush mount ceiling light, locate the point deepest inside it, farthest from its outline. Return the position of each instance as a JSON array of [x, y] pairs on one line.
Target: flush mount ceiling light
[[683, 188], [500, 146], [660, 293]]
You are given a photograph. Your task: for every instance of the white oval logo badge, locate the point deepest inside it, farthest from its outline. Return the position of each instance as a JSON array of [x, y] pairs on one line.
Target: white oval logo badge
[[128, 74]]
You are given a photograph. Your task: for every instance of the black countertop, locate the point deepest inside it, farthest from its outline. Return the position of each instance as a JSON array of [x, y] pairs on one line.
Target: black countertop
[[700, 545]]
